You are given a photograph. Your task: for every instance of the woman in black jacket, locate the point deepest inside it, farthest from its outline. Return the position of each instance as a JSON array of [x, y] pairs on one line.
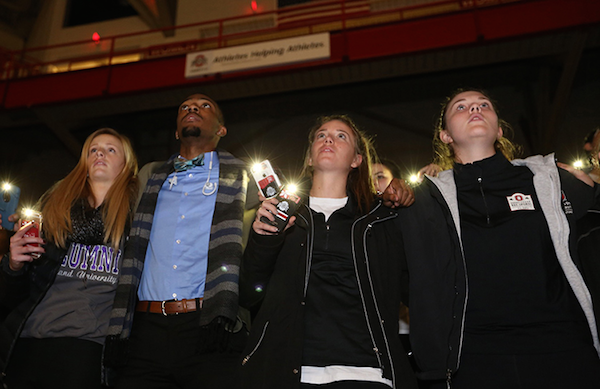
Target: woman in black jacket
[[60, 303], [329, 286], [497, 295]]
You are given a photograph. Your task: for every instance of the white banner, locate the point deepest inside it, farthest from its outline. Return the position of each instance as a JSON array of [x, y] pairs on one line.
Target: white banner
[[257, 55]]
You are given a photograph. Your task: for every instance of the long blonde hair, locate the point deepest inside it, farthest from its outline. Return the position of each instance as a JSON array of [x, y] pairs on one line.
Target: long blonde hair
[[360, 180], [444, 153], [116, 213]]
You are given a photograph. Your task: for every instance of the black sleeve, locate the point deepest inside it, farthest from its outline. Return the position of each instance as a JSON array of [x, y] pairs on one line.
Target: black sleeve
[[14, 285], [578, 194], [257, 266], [400, 255], [404, 279]]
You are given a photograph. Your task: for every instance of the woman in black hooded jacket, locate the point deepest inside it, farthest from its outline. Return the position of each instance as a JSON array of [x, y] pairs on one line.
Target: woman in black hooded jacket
[[329, 286]]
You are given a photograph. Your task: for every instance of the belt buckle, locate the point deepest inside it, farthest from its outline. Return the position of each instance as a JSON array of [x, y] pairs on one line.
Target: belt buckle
[[162, 307]]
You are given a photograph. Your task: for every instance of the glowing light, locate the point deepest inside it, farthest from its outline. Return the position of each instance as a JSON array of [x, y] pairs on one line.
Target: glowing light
[[28, 212], [6, 186], [96, 37], [291, 188], [414, 178], [224, 269], [578, 164], [258, 288], [256, 167], [254, 6]]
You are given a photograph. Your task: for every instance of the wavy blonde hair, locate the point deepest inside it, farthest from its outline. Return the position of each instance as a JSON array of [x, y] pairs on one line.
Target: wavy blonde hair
[[444, 153], [360, 180], [118, 203]]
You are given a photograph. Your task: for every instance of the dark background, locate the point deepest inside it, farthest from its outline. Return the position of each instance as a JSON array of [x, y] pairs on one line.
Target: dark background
[[547, 89]]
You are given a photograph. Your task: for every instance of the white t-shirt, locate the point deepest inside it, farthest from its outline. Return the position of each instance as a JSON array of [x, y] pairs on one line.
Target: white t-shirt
[[326, 205]]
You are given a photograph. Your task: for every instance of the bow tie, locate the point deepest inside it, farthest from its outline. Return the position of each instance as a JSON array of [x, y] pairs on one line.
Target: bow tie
[[181, 164]]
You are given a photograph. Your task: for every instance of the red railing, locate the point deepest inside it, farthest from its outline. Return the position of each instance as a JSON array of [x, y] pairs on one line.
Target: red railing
[[318, 16]]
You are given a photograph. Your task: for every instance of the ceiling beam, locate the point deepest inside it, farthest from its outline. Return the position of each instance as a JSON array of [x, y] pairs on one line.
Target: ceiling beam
[[157, 13]]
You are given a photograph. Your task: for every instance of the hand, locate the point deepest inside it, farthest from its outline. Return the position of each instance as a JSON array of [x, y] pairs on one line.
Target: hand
[[579, 174], [20, 249], [268, 209], [12, 218], [397, 194], [431, 170]]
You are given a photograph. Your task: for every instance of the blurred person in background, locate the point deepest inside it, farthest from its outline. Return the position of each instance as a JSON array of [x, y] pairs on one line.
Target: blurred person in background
[[383, 172], [588, 229], [592, 146]]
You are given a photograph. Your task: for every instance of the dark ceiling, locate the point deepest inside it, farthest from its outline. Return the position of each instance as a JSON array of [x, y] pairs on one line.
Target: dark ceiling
[[547, 87], [17, 17]]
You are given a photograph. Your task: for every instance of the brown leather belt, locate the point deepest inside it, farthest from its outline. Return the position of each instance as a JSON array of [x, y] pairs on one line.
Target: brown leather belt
[[173, 307]]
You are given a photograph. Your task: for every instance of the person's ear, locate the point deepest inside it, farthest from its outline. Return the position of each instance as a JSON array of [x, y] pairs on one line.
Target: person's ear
[[222, 131], [500, 133], [176, 135], [445, 137], [356, 161]]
